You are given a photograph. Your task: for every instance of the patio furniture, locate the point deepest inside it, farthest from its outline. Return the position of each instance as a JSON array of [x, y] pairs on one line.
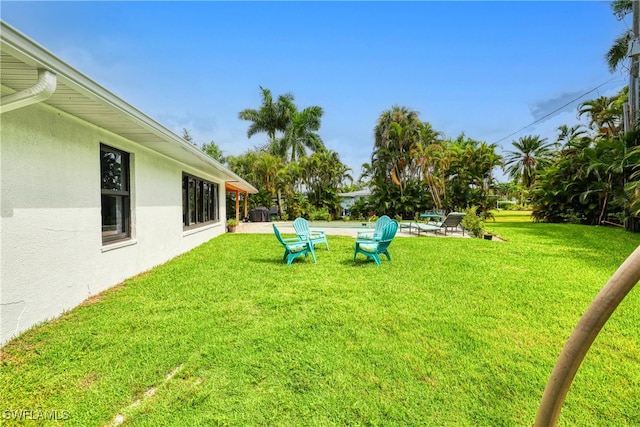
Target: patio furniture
[[377, 232], [294, 247], [373, 249], [452, 221], [405, 226], [301, 226], [274, 213], [432, 215], [259, 214]]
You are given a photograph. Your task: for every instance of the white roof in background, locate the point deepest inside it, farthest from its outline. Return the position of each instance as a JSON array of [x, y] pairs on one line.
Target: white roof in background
[[78, 95], [360, 193]]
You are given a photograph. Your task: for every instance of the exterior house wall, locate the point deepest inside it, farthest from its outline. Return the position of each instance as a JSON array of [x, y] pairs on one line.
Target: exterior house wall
[[51, 252]]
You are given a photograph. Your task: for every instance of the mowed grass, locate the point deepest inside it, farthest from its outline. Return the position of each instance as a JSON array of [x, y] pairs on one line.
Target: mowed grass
[[452, 332]]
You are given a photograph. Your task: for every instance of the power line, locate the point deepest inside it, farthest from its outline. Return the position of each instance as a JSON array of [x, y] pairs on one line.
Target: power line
[[556, 110]]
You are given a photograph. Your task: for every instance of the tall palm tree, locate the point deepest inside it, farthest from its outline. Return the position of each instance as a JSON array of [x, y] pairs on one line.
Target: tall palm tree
[[386, 135], [300, 133], [617, 54], [272, 117], [532, 154], [298, 128], [396, 135]]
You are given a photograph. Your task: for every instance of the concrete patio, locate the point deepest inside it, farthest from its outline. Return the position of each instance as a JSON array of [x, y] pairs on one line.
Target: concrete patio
[[286, 227]]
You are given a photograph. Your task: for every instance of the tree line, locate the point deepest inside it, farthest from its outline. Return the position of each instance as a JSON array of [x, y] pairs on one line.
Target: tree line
[[588, 174], [293, 168]]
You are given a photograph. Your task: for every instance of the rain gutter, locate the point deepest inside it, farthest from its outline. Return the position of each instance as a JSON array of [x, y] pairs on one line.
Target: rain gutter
[[41, 91]]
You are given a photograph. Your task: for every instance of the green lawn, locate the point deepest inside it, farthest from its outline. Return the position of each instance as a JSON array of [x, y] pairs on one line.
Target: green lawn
[[455, 332]]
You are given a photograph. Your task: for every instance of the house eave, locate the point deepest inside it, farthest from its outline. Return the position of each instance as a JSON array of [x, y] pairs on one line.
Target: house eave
[[82, 97]]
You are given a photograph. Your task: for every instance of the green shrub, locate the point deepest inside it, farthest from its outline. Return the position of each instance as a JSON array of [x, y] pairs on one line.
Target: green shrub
[[297, 206], [574, 217], [319, 214], [506, 204], [473, 223]]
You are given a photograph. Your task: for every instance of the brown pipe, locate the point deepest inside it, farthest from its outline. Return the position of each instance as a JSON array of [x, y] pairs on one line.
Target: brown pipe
[[585, 332]]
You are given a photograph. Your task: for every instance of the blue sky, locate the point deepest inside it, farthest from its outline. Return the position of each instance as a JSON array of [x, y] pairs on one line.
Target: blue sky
[[483, 68]]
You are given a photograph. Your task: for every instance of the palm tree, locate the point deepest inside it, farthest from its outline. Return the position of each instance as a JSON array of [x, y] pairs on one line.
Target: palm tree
[[266, 167], [290, 179], [532, 154], [571, 140], [605, 114], [396, 136], [434, 160], [569, 136], [386, 135], [366, 175], [300, 133], [604, 170], [298, 128], [487, 161], [617, 54], [632, 188], [324, 174], [271, 118]]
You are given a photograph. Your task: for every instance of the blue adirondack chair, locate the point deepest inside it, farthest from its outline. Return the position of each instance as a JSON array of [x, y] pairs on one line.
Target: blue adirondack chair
[[373, 249], [375, 234], [294, 248], [301, 226]]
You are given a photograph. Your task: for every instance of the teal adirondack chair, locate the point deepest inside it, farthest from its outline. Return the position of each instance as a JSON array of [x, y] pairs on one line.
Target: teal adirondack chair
[[375, 234], [373, 249], [301, 226], [294, 248]]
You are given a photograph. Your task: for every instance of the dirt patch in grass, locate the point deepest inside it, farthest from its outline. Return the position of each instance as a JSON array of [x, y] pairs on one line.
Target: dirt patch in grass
[[88, 381], [92, 300], [99, 297]]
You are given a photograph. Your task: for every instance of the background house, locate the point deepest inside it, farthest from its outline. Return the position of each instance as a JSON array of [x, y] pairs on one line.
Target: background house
[[92, 190], [347, 200]]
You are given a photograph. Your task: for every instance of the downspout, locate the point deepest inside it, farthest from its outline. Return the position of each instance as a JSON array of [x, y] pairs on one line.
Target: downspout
[[42, 90]]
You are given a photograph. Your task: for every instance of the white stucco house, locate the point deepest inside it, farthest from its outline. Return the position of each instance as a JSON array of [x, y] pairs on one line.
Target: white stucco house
[[93, 191]]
